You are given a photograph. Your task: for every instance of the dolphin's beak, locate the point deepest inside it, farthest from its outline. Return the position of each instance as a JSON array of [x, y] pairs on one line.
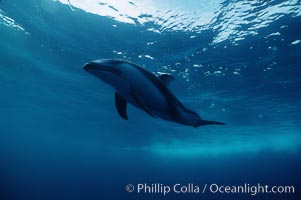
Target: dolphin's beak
[[85, 67], [90, 66]]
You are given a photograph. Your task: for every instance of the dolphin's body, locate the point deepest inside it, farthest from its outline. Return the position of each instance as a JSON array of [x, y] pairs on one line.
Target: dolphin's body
[[141, 88]]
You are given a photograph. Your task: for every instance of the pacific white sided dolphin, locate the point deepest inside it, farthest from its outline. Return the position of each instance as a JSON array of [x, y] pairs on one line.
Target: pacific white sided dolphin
[[141, 88]]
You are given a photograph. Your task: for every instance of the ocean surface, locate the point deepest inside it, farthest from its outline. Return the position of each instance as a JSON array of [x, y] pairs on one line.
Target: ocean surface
[[235, 61]]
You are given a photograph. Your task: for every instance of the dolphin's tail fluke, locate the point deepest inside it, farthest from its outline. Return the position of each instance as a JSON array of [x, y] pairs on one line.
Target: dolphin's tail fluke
[[206, 122]]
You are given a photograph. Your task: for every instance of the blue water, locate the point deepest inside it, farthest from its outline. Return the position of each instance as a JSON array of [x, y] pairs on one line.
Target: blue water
[[234, 61]]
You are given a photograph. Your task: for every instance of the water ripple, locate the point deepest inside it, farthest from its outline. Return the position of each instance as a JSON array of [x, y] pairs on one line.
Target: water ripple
[[9, 22], [223, 17]]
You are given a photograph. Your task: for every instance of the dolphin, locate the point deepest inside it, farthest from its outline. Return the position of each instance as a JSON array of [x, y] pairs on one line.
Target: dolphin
[[143, 89]]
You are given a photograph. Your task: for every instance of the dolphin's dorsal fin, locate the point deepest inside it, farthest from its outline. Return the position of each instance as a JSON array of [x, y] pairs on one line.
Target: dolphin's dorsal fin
[[166, 78], [121, 105]]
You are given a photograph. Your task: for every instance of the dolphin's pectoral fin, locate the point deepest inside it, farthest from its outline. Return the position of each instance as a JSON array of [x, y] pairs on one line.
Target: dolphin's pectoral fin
[[121, 104], [166, 78], [143, 105]]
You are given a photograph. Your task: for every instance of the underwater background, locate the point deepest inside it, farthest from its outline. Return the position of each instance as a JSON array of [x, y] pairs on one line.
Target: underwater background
[[235, 61]]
